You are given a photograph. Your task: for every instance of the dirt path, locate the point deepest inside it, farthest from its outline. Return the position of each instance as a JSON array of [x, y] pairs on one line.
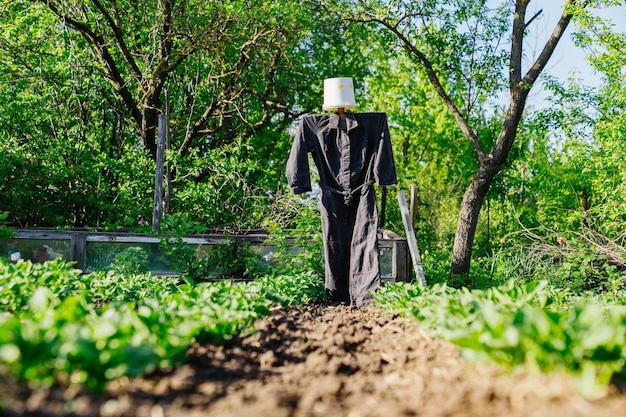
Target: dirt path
[[326, 361]]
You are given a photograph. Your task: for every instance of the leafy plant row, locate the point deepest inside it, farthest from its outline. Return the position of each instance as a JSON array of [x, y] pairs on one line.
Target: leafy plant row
[[530, 324], [60, 327]]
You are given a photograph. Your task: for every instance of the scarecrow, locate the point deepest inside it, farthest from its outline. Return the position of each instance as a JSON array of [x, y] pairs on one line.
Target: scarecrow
[[351, 151]]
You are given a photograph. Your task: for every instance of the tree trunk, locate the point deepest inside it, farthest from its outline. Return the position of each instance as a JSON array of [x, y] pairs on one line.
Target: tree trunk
[[476, 193], [149, 130], [468, 220]]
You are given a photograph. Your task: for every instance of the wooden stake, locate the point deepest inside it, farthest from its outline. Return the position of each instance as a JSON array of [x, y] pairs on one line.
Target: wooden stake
[[410, 237], [413, 204]]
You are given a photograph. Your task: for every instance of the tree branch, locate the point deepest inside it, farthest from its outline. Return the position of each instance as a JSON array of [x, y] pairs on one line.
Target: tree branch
[[538, 66], [119, 40], [517, 42], [103, 56], [521, 87], [434, 80], [533, 18]]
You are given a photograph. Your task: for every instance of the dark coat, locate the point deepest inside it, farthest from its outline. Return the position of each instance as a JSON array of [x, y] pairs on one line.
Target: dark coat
[[349, 159]]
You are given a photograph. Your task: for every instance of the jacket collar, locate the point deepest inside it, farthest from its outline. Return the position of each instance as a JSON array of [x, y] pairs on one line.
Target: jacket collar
[[351, 122]]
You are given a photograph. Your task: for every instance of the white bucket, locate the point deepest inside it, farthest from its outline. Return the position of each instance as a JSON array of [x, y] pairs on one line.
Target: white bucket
[[339, 93]]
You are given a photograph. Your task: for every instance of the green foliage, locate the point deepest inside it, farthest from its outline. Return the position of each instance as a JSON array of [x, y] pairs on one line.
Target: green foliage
[[583, 269], [433, 29], [185, 260], [232, 259], [5, 232], [299, 242], [18, 281], [229, 259], [583, 262], [130, 261], [226, 196], [522, 324], [79, 121], [429, 149], [66, 158], [436, 264], [52, 332], [111, 286], [296, 289], [587, 263], [583, 149], [74, 149]]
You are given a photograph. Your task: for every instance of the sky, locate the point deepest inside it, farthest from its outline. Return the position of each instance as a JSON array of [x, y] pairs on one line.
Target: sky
[[567, 60]]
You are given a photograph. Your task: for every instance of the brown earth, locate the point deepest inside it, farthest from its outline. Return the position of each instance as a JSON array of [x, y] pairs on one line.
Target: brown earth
[[325, 361]]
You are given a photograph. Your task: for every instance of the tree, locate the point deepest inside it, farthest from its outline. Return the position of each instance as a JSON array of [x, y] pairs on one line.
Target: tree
[[140, 45], [588, 157], [84, 82], [64, 150], [460, 45]]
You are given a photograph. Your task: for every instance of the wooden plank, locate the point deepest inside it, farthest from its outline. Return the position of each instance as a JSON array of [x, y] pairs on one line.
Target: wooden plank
[[413, 204], [78, 249], [122, 238], [410, 237], [38, 234]]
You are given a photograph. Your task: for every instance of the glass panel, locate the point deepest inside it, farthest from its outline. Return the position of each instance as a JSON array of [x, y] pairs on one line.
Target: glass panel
[[101, 255], [35, 250], [385, 256]]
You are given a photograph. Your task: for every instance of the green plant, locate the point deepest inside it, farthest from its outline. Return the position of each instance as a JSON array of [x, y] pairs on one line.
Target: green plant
[[59, 336], [18, 281], [225, 260], [287, 290], [5, 231], [106, 287], [133, 260], [232, 259], [300, 245], [584, 269], [581, 261], [528, 324], [185, 259]]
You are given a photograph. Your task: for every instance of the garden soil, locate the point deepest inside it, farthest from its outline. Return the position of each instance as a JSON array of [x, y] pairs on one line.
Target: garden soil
[[322, 360]]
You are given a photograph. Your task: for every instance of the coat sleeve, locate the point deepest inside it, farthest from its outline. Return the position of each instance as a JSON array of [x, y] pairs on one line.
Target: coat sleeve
[[298, 175], [384, 167]]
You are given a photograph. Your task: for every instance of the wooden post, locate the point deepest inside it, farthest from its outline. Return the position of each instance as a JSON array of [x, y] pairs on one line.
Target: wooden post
[[158, 179], [383, 207], [78, 249], [410, 237], [413, 204]]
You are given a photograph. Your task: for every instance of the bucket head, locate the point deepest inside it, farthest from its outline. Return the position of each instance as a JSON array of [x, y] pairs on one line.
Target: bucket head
[[339, 93]]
